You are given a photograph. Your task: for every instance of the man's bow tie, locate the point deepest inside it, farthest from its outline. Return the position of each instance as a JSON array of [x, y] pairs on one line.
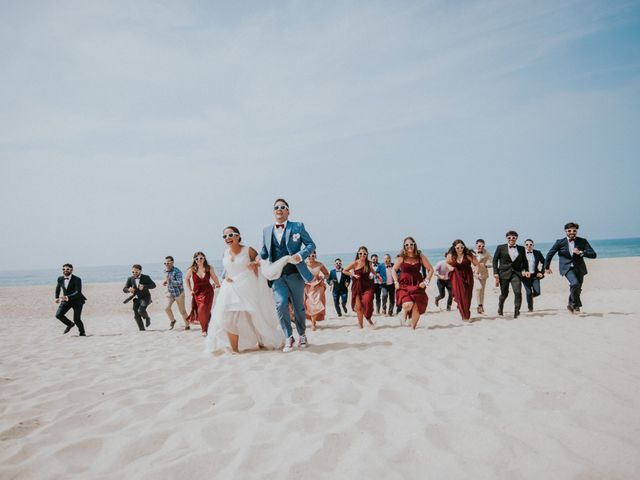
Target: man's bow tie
[[279, 225], [67, 278], [512, 246]]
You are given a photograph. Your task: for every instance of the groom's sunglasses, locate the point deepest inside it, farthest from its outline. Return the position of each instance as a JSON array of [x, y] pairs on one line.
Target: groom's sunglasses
[[280, 207], [229, 235]]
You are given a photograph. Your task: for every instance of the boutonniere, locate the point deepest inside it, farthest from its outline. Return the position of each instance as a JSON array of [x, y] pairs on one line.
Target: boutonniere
[[295, 237]]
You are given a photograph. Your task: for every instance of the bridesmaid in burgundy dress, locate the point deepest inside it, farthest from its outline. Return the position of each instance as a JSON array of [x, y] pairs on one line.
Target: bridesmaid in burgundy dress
[[362, 286], [411, 286], [200, 279], [459, 261]]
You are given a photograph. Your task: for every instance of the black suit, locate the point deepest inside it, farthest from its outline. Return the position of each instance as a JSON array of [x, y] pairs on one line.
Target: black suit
[[340, 290], [142, 298], [572, 266], [75, 302], [510, 272], [532, 284]]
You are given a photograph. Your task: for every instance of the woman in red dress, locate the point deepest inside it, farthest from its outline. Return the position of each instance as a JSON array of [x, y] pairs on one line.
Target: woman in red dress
[[362, 286], [411, 286], [459, 261], [199, 282]]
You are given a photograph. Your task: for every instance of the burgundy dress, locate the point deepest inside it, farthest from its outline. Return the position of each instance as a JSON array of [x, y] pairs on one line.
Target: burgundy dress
[[462, 286], [363, 288], [202, 300], [408, 289]]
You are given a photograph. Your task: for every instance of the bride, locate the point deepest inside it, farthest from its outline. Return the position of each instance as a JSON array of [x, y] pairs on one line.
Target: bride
[[244, 315]]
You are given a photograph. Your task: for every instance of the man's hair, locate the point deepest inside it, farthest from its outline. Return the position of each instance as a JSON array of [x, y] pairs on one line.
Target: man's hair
[[529, 240], [375, 255], [571, 225], [480, 240], [169, 257], [136, 266], [511, 232], [337, 260], [281, 200], [68, 265]]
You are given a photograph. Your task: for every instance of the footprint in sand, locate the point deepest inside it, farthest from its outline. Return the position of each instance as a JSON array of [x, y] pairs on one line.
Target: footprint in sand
[[21, 429]]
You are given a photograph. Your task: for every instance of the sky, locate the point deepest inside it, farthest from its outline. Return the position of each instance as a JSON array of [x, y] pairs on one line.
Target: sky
[[134, 130]]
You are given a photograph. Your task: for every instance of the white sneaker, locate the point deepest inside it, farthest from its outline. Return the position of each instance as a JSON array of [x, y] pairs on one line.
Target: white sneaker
[[288, 344], [302, 343]]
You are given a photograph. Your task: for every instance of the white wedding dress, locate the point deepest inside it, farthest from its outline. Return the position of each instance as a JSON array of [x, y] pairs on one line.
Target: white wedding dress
[[245, 307]]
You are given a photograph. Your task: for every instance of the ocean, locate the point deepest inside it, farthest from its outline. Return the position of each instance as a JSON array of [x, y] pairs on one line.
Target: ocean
[[612, 248]]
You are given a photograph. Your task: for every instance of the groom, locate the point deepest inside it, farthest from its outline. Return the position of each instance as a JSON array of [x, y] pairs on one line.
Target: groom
[[288, 238]]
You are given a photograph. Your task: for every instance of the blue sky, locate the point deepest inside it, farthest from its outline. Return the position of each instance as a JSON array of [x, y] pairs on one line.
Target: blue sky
[[130, 131]]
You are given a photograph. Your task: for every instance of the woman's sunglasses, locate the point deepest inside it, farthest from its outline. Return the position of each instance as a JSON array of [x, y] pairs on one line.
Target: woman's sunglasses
[[280, 207], [229, 235], [199, 258], [407, 245]]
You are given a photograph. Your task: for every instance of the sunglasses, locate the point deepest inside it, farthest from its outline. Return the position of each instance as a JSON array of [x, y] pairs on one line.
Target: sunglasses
[[168, 263], [280, 207], [511, 237], [362, 254], [407, 245], [572, 231], [229, 235], [199, 258]]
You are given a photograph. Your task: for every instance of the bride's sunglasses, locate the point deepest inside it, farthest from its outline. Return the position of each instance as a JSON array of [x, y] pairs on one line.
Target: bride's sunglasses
[[229, 235], [280, 207]]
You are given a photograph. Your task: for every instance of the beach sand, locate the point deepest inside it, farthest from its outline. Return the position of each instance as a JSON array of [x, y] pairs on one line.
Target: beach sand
[[549, 395]]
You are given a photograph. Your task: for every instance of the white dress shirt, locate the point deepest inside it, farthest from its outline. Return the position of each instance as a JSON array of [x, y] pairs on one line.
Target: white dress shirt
[[338, 275], [513, 252], [66, 282], [572, 245], [137, 282], [531, 258], [279, 232]]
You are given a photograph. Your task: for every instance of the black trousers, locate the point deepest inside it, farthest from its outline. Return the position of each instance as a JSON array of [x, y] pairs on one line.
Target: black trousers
[[388, 294], [140, 311], [516, 285], [442, 285], [531, 289], [376, 294], [77, 314], [575, 287], [340, 297]]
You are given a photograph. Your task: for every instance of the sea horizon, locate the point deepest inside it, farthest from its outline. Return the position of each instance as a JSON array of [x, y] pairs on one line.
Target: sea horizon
[[605, 248]]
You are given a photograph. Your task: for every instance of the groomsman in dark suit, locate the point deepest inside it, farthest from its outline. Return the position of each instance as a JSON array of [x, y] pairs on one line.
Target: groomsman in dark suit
[[140, 285], [339, 286], [509, 261], [571, 250], [533, 274], [69, 296]]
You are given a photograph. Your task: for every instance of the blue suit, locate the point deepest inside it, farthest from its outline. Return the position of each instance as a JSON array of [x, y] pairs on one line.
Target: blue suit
[[572, 266], [290, 285]]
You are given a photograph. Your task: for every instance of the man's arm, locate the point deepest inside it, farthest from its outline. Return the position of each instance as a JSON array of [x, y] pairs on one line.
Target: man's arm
[[496, 258], [309, 246], [127, 285], [550, 254], [588, 251], [58, 289], [264, 254], [78, 288], [150, 284]]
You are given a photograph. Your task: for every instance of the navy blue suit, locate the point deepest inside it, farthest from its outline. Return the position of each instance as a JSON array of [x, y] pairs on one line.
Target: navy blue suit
[[572, 266], [340, 290]]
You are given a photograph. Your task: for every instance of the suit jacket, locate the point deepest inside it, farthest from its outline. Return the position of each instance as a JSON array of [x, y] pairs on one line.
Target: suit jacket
[[146, 282], [568, 259], [538, 264], [338, 287], [504, 267], [297, 240], [73, 291]]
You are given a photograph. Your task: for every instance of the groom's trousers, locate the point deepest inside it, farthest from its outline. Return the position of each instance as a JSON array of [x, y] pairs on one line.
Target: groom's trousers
[[290, 286]]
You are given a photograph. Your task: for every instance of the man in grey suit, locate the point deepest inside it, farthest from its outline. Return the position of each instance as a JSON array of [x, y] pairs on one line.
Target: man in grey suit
[[571, 250]]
